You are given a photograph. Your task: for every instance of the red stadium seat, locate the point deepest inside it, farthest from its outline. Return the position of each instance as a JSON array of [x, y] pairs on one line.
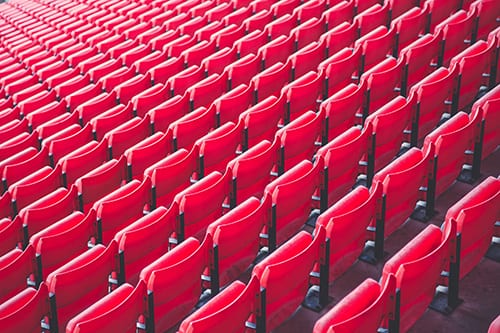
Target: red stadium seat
[[35, 186], [25, 311], [243, 70], [200, 204], [451, 140], [291, 196], [165, 186], [411, 169], [261, 120], [434, 95], [388, 125], [127, 134], [439, 11], [339, 70], [167, 112], [365, 309], [277, 50], [372, 17], [121, 207], [457, 33], [153, 229], [345, 223], [99, 182], [18, 269], [339, 13], [294, 260], [476, 214], [422, 57], [250, 43], [419, 263], [340, 158], [119, 310], [486, 107], [339, 37], [230, 105], [383, 83], [375, 46], [202, 93], [174, 283], [298, 140], [271, 80], [81, 282], [342, 110], [487, 18], [236, 236], [230, 310], [307, 58], [64, 240], [187, 129], [474, 65], [303, 95], [218, 147], [410, 26]]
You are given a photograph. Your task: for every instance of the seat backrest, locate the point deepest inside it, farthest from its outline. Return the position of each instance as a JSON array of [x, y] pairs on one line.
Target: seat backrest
[[174, 283], [376, 45], [307, 58], [261, 120], [229, 106], [372, 17], [457, 33], [48, 209], [146, 153], [187, 129], [251, 171], [451, 140], [201, 204], [18, 268], [218, 147], [127, 134], [30, 189], [120, 207], [342, 110], [303, 94], [474, 63], [365, 309], [486, 106], [25, 311], [229, 310], [118, 310], [291, 195], [236, 235], [182, 164], [410, 170], [285, 275], [340, 158], [81, 282], [298, 140], [345, 223], [102, 180], [339, 69], [432, 94], [389, 123], [419, 263], [421, 58], [476, 214], [169, 111], [339, 13], [409, 25], [63, 241], [271, 80]]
